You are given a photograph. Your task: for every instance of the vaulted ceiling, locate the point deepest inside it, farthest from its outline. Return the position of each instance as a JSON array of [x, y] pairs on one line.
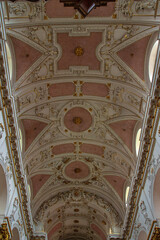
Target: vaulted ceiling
[[80, 87]]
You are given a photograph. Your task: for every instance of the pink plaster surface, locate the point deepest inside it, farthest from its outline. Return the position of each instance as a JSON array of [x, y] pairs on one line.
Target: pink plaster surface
[[55, 9], [38, 181], [54, 229], [63, 148], [25, 56], [83, 170], [156, 195], [124, 129], [134, 55], [91, 148], [87, 43], [117, 183], [61, 89], [95, 89], [142, 235], [103, 11], [83, 114], [98, 231], [32, 128]]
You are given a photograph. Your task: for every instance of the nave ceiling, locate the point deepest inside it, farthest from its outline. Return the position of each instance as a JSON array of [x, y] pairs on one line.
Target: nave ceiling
[[80, 90]]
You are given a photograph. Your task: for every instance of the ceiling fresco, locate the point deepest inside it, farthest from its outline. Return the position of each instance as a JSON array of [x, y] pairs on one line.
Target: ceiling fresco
[[80, 90]]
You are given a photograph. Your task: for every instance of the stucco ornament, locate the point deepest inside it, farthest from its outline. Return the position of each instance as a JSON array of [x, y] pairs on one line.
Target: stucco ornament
[[155, 162], [4, 232], [144, 212], [25, 9], [14, 209], [77, 195], [19, 9], [128, 8], [1, 130], [125, 8], [67, 124], [137, 226], [147, 4], [68, 167]]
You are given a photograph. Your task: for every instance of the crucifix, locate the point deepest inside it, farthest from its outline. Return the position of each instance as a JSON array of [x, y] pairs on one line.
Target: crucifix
[[85, 6]]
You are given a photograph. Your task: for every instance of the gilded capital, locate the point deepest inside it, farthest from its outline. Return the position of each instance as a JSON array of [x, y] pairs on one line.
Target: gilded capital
[[4, 233]]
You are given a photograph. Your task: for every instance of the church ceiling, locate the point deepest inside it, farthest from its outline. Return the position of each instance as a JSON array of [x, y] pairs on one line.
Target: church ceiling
[[80, 90]]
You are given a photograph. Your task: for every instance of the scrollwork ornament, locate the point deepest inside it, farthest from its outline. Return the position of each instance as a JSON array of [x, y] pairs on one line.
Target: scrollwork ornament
[[14, 209], [41, 35], [145, 5], [144, 212], [113, 38], [4, 233], [42, 72], [137, 226], [78, 196], [152, 172], [18, 9], [156, 234], [125, 8]]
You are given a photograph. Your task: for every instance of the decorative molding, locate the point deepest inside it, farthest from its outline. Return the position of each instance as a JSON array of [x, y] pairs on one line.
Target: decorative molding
[[4, 232], [79, 196], [12, 143], [156, 234], [154, 106], [1, 130]]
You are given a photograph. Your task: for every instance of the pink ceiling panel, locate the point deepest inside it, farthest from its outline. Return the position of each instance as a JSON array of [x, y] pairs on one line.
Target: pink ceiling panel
[[98, 231], [134, 55], [25, 56], [87, 43], [38, 181], [95, 89], [117, 183], [32, 128], [61, 89], [63, 148], [91, 148], [54, 229], [124, 129]]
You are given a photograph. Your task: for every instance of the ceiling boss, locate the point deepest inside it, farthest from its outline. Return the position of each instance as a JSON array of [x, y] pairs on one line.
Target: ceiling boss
[[85, 6]]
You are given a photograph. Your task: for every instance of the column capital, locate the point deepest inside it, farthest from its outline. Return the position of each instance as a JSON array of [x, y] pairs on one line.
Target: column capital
[[4, 232]]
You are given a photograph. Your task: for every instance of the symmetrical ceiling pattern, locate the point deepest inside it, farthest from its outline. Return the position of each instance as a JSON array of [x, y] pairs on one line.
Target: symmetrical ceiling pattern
[[80, 95]]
